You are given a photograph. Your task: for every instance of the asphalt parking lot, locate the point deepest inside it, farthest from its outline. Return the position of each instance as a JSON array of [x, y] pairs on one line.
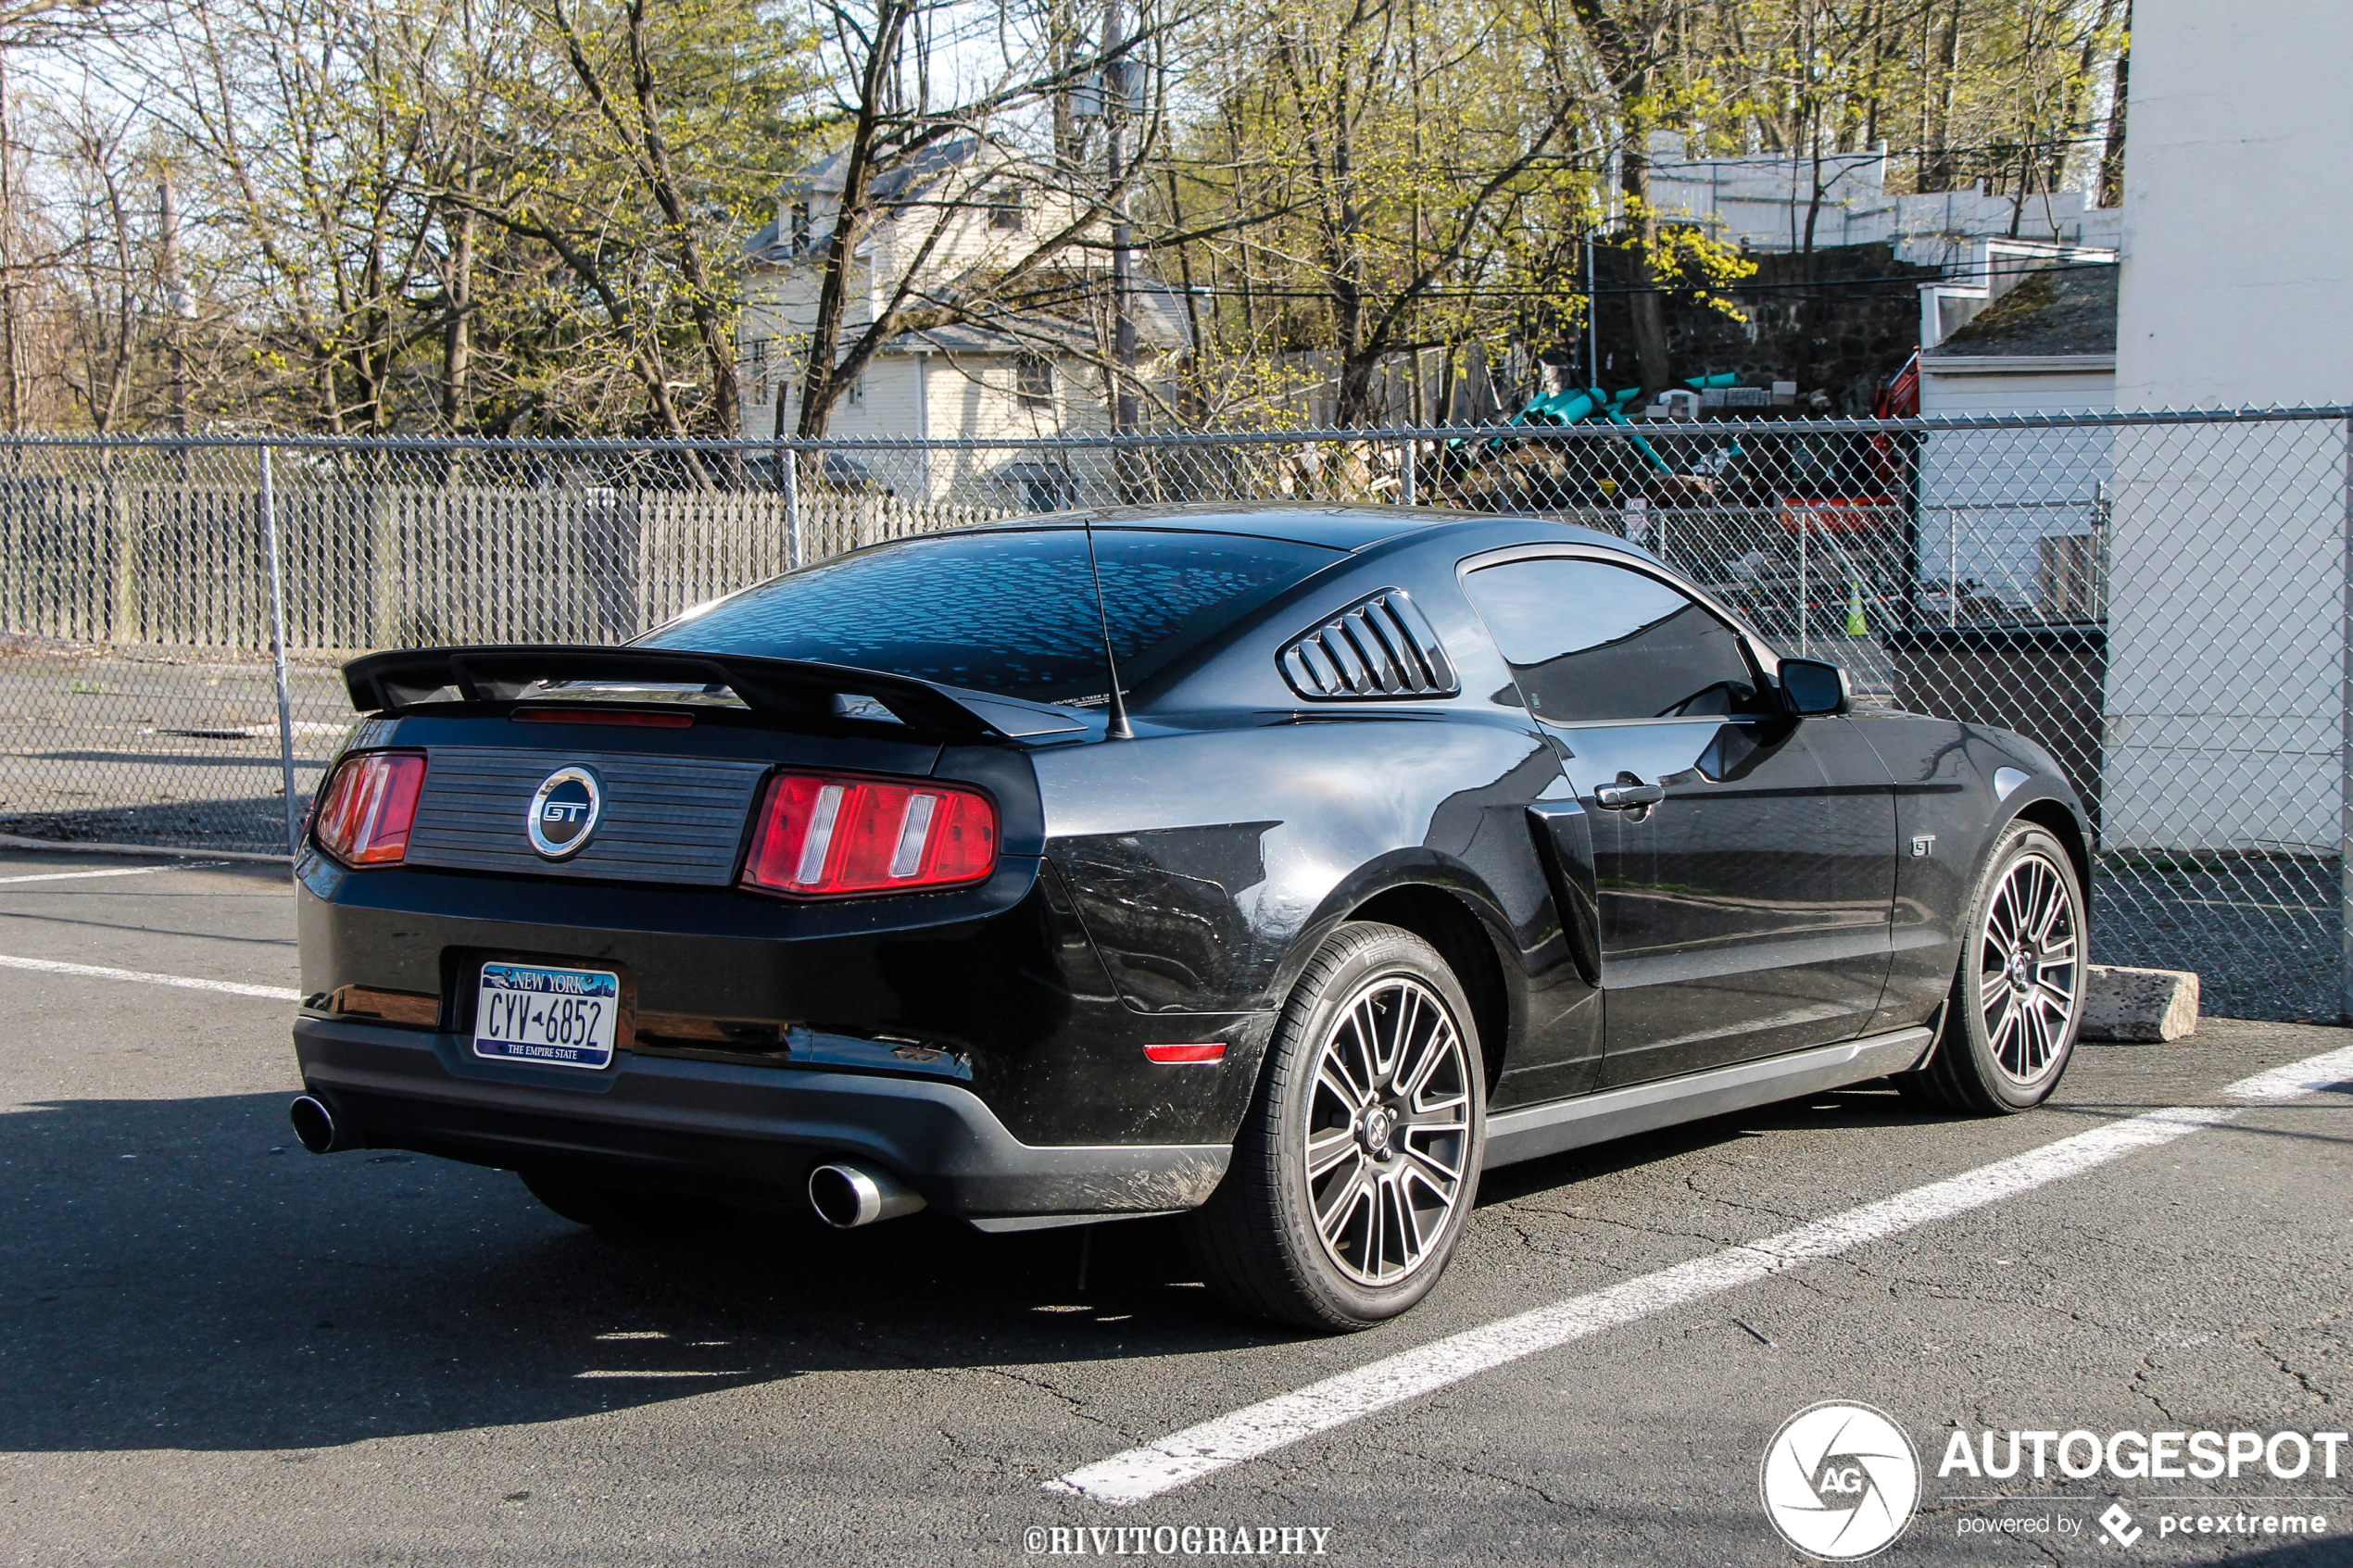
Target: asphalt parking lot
[[220, 1349]]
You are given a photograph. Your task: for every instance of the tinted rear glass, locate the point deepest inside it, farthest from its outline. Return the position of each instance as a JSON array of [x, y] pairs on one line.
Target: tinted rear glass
[[1010, 613]]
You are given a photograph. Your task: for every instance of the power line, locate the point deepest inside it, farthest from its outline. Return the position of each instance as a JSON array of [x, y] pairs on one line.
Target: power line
[[1087, 290]]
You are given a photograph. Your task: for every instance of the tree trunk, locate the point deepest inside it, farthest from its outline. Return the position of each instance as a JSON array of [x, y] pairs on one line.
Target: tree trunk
[[1648, 309], [820, 387], [11, 295], [457, 341], [702, 303], [1627, 65], [1941, 171], [2112, 156]]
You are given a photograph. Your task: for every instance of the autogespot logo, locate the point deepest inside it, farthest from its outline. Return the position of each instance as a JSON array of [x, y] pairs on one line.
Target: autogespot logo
[[1840, 1480], [564, 813]]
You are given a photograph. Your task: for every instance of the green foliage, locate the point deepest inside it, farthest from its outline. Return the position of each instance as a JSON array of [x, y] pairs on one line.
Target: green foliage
[[527, 215]]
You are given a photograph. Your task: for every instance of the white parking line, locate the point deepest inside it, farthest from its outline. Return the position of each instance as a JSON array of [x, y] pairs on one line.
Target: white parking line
[[120, 871], [96, 972], [1252, 1433]]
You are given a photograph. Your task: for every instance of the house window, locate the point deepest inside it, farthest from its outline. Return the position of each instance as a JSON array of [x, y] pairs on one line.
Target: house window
[[756, 360], [1040, 487], [798, 226], [857, 393], [1005, 209], [1034, 381]]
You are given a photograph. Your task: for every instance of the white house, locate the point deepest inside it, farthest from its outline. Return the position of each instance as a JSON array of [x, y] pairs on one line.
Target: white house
[[956, 217]]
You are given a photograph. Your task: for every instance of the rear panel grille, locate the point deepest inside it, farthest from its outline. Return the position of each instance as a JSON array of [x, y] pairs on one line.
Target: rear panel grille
[[1380, 646], [665, 819]]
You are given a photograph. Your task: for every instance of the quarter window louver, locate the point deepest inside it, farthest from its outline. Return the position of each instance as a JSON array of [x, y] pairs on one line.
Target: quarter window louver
[[1379, 647]]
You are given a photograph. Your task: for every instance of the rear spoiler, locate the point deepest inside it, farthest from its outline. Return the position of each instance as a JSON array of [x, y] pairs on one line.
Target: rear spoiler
[[403, 677]]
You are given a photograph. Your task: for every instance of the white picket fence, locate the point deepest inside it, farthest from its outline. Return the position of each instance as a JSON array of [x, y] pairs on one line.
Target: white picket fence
[[369, 566]]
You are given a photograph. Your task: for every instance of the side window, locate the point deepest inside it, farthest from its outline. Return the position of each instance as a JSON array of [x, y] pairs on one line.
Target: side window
[[1588, 641]]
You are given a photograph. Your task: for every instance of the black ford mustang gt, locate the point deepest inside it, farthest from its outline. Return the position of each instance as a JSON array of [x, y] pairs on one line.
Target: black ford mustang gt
[[1401, 844]]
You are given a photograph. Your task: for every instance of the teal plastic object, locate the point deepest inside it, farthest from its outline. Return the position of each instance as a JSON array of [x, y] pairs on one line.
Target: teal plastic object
[[1570, 407], [1618, 416]]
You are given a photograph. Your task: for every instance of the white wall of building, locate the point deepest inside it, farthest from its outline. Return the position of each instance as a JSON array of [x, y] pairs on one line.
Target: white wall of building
[[2226, 620], [1764, 200]]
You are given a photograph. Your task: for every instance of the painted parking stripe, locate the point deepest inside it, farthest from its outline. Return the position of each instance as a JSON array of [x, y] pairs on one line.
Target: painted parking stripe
[[185, 983], [118, 871], [1260, 1429]]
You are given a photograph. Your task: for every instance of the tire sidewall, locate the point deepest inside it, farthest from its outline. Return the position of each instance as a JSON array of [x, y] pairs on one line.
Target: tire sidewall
[[1377, 953], [2017, 840]]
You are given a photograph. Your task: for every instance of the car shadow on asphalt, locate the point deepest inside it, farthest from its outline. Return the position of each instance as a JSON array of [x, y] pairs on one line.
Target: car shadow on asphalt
[[178, 1274], [1865, 1105]]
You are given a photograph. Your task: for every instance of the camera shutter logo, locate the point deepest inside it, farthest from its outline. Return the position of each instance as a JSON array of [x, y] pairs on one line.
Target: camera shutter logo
[[1840, 1480], [564, 812]]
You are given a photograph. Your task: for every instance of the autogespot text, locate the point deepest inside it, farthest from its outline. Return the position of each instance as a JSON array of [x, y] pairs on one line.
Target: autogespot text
[[2137, 1456]]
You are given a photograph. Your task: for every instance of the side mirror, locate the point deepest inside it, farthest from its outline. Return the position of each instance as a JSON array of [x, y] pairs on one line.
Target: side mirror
[[1814, 688]]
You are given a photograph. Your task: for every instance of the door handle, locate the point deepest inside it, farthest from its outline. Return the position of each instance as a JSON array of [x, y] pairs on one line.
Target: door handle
[[1626, 798]]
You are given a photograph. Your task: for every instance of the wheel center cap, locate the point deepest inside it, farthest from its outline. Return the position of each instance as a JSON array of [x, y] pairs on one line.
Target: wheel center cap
[[1379, 1124], [2021, 974]]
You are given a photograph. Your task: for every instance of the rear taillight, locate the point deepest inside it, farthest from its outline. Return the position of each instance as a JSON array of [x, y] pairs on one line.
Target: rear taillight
[[824, 835], [365, 815]]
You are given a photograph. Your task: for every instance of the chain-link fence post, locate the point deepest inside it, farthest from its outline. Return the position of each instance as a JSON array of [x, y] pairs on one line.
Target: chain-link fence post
[[2345, 754], [278, 645], [1405, 496], [789, 479], [1804, 588]]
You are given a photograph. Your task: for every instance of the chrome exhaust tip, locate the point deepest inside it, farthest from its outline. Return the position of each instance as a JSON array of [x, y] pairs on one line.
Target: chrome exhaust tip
[[314, 1124], [845, 1197]]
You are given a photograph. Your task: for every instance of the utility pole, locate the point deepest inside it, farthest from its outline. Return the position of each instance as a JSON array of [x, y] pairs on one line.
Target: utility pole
[[1593, 326], [1117, 76], [11, 315], [175, 301]]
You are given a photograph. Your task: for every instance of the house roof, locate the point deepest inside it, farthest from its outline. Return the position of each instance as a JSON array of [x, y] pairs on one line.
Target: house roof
[[903, 178], [1160, 326], [769, 244], [2056, 312]]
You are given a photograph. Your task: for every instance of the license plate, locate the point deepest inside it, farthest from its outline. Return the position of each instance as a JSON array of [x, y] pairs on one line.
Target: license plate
[[555, 1017]]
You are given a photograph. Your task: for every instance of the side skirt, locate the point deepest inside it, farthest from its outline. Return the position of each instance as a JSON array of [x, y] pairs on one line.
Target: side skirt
[[1514, 1136]]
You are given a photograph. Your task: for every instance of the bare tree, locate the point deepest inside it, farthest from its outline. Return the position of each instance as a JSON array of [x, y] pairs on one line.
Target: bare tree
[[931, 150]]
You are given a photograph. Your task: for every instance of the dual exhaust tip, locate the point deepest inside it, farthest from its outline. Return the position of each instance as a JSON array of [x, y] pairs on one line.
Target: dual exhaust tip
[[844, 1195], [314, 1125], [848, 1196]]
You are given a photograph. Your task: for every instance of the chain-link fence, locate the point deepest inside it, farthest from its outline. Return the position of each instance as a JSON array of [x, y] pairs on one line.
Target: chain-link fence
[[2160, 600]]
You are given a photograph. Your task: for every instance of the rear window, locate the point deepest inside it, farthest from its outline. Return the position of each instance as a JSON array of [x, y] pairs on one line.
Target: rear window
[[1012, 613]]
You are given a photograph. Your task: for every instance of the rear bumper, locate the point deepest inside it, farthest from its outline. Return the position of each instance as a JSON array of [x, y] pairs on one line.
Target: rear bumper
[[729, 1129]]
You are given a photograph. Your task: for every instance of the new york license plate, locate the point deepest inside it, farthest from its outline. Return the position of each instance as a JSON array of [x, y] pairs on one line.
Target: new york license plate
[[556, 1017]]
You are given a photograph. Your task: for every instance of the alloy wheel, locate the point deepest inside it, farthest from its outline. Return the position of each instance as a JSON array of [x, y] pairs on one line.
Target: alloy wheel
[[2030, 967], [1388, 1129]]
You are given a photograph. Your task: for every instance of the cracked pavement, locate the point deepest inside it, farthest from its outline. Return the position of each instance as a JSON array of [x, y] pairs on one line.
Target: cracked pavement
[[218, 1350]]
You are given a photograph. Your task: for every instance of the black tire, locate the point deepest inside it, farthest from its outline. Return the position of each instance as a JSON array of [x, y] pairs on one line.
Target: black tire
[[615, 1211], [1393, 1216], [2006, 1038]]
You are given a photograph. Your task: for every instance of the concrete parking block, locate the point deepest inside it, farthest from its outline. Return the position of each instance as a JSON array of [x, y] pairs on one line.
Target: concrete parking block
[[2140, 1006]]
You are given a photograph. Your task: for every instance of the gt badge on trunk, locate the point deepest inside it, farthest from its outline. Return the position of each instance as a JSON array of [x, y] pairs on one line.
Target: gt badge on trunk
[[563, 812]]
